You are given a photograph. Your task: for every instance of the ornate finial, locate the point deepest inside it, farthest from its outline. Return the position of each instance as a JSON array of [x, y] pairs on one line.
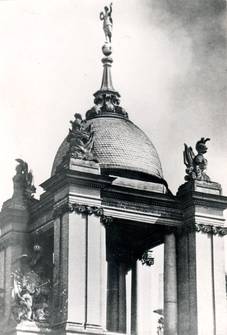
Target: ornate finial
[[23, 180], [196, 164], [107, 99]]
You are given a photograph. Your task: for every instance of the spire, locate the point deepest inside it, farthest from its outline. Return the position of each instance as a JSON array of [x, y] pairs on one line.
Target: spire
[[107, 99], [107, 84]]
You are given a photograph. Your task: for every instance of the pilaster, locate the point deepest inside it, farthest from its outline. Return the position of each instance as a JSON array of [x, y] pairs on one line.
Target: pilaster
[[200, 260], [80, 252], [13, 242]]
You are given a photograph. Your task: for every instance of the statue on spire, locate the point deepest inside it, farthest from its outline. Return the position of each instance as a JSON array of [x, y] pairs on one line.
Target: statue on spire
[[107, 22]]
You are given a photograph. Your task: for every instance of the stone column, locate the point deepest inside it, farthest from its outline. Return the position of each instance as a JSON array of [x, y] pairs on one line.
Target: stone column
[[219, 288], [116, 297], [200, 257], [56, 271], [96, 273], [80, 272], [112, 296], [122, 298], [134, 299], [170, 286]]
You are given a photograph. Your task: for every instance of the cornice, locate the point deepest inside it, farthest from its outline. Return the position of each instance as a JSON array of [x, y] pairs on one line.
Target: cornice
[[71, 176], [196, 198]]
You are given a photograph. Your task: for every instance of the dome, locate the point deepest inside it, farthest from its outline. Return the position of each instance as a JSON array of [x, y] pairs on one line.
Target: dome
[[121, 149]]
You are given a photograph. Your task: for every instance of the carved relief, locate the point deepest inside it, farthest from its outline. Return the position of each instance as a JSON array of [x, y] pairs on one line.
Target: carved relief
[[196, 164], [30, 288]]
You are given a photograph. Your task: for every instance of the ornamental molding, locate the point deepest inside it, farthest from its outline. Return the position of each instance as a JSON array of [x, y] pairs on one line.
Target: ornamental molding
[[206, 229], [210, 229], [83, 210]]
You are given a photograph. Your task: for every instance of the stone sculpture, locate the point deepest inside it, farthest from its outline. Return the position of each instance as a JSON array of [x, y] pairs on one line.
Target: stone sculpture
[[30, 289], [196, 164], [81, 140], [107, 22], [24, 178], [106, 103], [160, 327]]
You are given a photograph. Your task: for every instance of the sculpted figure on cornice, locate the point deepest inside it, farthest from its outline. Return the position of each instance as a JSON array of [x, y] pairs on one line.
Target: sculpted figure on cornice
[[196, 164], [81, 140], [24, 179]]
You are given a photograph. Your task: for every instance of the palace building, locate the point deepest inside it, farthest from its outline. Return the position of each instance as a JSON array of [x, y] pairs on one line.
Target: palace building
[[69, 261]]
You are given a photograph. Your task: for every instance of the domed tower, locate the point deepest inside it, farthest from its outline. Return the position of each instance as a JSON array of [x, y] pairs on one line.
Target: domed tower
[[118, 146], [64, 258]]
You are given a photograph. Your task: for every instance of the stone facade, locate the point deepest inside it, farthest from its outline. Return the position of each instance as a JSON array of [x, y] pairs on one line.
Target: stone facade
[[92, 229]]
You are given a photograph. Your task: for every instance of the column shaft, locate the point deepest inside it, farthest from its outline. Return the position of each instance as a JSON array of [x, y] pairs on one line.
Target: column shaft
[[116, 297], [134, 299], [170, 286]]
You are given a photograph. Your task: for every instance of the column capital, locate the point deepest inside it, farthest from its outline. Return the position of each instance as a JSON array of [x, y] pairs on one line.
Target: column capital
[[82, 209], [205, 229]]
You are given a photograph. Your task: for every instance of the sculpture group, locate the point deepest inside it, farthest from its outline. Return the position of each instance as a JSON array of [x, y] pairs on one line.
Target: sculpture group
[[30, 288]]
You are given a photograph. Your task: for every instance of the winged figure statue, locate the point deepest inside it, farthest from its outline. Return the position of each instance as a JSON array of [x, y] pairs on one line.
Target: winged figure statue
[[26, 176], [196, 164]]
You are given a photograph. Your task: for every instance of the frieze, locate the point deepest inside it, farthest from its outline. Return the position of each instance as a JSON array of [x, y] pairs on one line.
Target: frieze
[[160, 207], [82, 209]]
